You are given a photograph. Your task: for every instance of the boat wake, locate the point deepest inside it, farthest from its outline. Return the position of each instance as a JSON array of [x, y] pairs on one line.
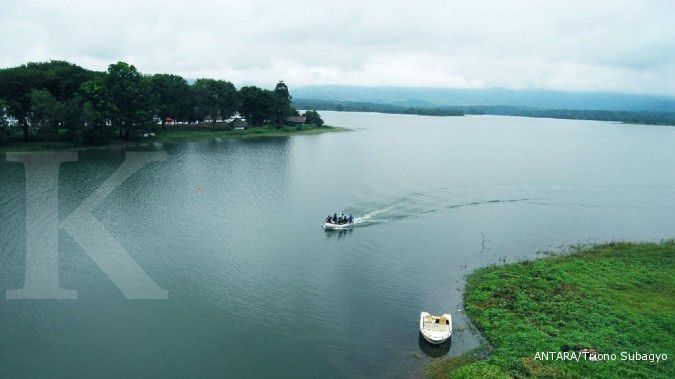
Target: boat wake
[[415, 205]]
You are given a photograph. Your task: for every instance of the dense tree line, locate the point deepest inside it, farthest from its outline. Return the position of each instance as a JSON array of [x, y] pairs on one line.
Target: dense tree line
[[60, 101]]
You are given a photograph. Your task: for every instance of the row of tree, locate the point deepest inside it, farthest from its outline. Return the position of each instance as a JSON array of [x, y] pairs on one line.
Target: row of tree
[[62, 101]]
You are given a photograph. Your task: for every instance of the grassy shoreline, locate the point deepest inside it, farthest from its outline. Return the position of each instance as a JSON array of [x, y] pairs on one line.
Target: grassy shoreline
[[176, 135], [173, 135], [612, 298]]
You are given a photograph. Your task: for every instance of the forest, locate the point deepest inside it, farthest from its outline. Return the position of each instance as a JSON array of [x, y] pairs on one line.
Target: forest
[[61, 101]]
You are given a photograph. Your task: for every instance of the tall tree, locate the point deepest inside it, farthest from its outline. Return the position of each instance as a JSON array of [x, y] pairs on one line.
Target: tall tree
[[5, 127], [282, 103], [257, 105], [16, 85], [129, 98], [173, 94], [45, 114], [95, 112], [215, 98], [71, 118]]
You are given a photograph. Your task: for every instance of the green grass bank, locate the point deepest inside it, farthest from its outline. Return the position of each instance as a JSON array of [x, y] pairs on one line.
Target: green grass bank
[[173, 135], [176, 135], [612, 298]]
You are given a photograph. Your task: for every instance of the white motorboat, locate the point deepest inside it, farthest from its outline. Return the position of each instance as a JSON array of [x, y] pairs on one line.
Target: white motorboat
[[435, 329], [330, 225]]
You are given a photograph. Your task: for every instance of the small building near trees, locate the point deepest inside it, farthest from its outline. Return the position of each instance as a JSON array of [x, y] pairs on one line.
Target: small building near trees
[[296, 119]]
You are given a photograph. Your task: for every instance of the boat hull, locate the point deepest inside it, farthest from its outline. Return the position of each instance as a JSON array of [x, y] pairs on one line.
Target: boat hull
[[433, 341], [435, 337], [330, 226]]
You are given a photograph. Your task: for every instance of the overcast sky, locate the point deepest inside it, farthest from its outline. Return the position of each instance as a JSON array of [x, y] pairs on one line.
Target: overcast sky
[[616, 46]]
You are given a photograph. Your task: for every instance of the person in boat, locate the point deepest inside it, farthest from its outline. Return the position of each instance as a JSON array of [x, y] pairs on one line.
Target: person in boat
[[328, 219], [350, 219], [335, 218]]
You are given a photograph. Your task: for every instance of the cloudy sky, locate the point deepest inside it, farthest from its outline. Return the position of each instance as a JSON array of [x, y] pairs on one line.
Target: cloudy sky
[[616, 46]]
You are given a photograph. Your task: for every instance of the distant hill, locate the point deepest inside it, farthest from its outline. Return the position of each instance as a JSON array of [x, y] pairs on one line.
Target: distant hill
[[491, 97]]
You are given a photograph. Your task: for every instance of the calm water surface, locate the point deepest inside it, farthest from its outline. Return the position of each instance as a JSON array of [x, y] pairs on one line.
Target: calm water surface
[[232, 229]]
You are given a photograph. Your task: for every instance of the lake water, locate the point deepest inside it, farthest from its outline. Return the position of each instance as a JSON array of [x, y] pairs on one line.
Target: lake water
[[232, 230]]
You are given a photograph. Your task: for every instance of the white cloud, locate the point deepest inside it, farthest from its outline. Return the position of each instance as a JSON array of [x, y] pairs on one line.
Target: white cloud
[[624, 46]]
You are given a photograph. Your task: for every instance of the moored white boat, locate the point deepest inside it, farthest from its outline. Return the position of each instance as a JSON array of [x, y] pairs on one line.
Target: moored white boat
[[435, 329]]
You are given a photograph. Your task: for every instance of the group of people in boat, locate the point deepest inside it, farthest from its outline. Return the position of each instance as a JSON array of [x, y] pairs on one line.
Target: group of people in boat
[[341, 220]]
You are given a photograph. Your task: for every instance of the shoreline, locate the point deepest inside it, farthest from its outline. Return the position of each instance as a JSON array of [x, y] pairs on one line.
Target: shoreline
[[660, 118], [605, 299], [175, 135]]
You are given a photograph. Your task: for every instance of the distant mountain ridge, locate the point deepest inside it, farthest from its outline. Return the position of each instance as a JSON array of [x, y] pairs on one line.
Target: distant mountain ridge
[[448, 97]]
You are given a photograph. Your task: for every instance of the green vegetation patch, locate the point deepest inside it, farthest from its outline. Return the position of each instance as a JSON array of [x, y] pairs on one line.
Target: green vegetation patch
[[612, 298], [169, 135]]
